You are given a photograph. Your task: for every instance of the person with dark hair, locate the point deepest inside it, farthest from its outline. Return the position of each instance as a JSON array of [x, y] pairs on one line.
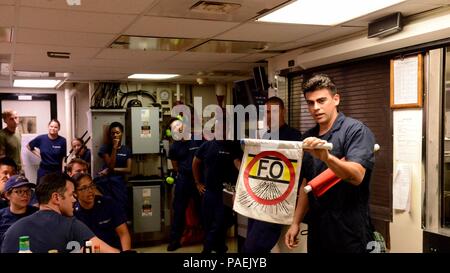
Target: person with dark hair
[[52, 227], [339, 220], [216, 163], [18, 191], [81, 151], [181, 154], [117, 163], [100, 213], [8, 168], [51, 148], [11, 138], [262, 236]]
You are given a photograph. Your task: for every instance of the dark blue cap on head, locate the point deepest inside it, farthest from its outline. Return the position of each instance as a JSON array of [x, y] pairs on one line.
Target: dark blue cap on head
[[17, 181]]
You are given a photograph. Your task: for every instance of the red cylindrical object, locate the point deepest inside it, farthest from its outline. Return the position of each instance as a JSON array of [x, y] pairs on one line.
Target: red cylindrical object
[[323, 182]]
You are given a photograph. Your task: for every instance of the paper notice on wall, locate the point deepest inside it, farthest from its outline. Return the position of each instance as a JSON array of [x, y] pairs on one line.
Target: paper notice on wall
[[405, 80], [402, 187], [407, 135]]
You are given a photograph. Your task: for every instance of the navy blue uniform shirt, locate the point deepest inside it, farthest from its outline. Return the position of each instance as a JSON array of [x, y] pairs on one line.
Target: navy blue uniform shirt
[[218, 157], [284, 133], [183, 152], [7, 218], [122, 154], [47, 230], [339, 219], [102, 219], [52, 151]]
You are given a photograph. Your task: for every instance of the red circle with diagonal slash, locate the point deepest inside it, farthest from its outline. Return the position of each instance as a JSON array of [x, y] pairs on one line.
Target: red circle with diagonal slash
[[291, 180]]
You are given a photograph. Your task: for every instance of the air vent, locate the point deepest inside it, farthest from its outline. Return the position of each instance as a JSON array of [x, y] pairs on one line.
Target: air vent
[[212, 7], [62, 55]]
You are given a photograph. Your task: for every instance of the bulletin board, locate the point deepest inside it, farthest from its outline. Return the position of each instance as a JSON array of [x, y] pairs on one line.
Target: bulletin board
[[407, 82]]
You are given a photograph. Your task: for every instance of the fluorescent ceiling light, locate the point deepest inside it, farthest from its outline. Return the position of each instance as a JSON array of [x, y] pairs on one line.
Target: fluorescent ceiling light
[[325, 12], [153, 76], [36, 83]]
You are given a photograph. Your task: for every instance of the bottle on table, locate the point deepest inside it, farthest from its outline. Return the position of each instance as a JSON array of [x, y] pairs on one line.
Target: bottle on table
[[24, 244]]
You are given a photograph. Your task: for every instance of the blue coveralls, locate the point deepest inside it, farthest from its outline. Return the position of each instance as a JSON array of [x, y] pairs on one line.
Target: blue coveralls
[[339, 221], [217, 158], [262, 236], [183, 152]]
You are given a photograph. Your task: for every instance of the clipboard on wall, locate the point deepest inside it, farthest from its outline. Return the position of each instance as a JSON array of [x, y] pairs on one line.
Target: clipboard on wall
[[407, 82]]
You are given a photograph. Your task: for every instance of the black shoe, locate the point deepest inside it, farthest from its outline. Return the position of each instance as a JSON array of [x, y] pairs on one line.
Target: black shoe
[[173, 246], [222, 250]]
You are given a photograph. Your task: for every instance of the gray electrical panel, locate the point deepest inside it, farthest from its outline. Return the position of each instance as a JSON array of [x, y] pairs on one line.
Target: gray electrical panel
[[146, 207], [143, 130]]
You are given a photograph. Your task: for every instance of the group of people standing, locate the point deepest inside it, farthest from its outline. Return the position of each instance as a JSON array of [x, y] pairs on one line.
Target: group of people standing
[[338, 221]]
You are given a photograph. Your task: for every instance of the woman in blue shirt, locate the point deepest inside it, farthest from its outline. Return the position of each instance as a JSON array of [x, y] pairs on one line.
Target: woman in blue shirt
[[51, 148], [100, 213], [117, 163]]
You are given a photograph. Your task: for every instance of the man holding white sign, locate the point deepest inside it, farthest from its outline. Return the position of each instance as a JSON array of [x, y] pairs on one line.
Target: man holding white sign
[[339, 220], [261, 235]]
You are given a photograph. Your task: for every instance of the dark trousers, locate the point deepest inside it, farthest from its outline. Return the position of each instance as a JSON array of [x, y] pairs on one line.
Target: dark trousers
[[184, 191], [261, 236], [214, 221]]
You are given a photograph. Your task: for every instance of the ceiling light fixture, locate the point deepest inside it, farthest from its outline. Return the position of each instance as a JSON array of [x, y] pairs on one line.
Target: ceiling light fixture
[[325, 12], [153, 76], [33, 83]]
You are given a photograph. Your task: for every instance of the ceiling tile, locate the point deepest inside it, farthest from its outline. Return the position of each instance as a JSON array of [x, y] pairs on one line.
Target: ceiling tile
[[41, 50], [321, 36], [234, 66], [270, 32], [206, 57], [115, 63], [73, 21], [97, 77], [177, 28], [48, 37], [135, 55], [7, 16], [44, 60], [256, 57], [182, 65], [109, 6]]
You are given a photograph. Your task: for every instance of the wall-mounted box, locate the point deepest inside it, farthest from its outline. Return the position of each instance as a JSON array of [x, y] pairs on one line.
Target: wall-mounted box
[[143, 130]]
